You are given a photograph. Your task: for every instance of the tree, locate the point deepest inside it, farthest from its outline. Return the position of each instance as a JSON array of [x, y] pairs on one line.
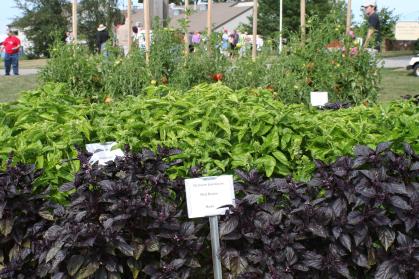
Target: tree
[[268, 15], [43, 21], [95, 12]]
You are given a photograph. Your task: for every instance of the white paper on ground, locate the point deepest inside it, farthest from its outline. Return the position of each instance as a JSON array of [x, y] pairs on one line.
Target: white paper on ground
[[318, 99], [103, 153]]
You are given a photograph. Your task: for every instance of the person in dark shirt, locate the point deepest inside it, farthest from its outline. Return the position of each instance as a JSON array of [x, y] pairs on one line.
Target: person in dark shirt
[[102, 36], [370, 8]]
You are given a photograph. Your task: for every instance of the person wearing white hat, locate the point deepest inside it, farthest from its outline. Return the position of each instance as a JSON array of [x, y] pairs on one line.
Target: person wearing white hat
[[370, 8], [102, 36]]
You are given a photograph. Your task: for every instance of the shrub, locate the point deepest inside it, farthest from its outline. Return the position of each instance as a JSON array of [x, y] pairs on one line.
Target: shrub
[[125, 219], [23, 217], [357, 218], [347, 75]]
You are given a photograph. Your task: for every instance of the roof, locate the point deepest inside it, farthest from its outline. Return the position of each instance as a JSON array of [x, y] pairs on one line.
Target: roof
[[222, 13]]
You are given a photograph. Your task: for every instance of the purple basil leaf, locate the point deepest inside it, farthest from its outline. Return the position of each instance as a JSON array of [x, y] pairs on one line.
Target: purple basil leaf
[[339, 207], [74, 264], [410, 223], [318, 230], [229, 226], [311, 259], [362, 150], [177, 263], [252, 198], [408, 149], [386, 237], [384, 146], [359, 162], [336, 232], [291, 256], [124, 247], [67, 187], [187, 228], [254, 256], [395, 188], [166, 250], [343, 270], [53, 232], [400, 203], [345, 240], [361, 260], [403, 240], [355, 218], [386, 270], [365, 191]]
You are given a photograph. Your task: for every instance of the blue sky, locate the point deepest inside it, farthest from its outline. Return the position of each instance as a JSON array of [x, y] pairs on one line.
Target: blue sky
[[407, 9]]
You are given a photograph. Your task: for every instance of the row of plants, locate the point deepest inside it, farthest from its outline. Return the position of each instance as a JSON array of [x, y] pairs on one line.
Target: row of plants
[[358, 217], [319, 65], [217, 128]]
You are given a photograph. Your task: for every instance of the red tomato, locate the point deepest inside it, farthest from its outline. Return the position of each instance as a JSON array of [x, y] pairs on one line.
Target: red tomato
[[217, 77]]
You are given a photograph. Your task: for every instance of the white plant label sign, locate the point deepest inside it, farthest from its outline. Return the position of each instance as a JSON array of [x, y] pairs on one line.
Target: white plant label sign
[[205, 195], [319, 99]]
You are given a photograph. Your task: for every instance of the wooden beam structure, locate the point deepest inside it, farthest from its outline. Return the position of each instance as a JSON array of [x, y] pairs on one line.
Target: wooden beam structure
[[129, 19], [303, 20], [74, 19], [255, 29], [348, 16], [147, 29], [209, 20], [186, 31]]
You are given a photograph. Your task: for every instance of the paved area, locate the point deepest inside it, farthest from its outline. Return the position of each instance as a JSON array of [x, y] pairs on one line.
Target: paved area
[[22, 72], [396, 62]]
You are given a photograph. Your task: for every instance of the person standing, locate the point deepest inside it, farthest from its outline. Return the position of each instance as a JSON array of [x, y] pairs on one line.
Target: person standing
[[11, 57], [102, 36], [374, 29]]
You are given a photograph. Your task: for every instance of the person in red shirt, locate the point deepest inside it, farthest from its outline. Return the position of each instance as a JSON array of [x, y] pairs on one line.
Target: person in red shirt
[[11, 47]]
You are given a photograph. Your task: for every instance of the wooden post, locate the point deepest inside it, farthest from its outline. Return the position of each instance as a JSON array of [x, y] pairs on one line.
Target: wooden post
[[186, 31], [348, 17], [129, 25], [255, 29], [280, 25], [147, 29], [303, 20], [75, 21], [209, 21]]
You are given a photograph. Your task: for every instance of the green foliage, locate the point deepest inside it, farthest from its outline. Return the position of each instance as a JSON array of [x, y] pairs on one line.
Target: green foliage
[[268, 15], [91, 13], [73, 65], [215, 127], [293, 75], [222, 129], [42, 128], [43, 22]]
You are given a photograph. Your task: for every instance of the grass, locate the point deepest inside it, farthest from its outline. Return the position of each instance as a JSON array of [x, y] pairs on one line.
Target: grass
[[396, 83], [29, 64], [12, 86]]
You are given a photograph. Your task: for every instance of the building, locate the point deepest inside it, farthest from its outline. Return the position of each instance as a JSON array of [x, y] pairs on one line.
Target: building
[[228, 15]]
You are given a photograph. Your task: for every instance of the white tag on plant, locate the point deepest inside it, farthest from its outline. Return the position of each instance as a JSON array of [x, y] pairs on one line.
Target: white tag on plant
[[205, 195], [103, 153], [319, 99]]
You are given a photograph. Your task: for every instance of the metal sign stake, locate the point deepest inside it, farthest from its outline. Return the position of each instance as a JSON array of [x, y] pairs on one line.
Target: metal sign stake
[[215, 247]]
